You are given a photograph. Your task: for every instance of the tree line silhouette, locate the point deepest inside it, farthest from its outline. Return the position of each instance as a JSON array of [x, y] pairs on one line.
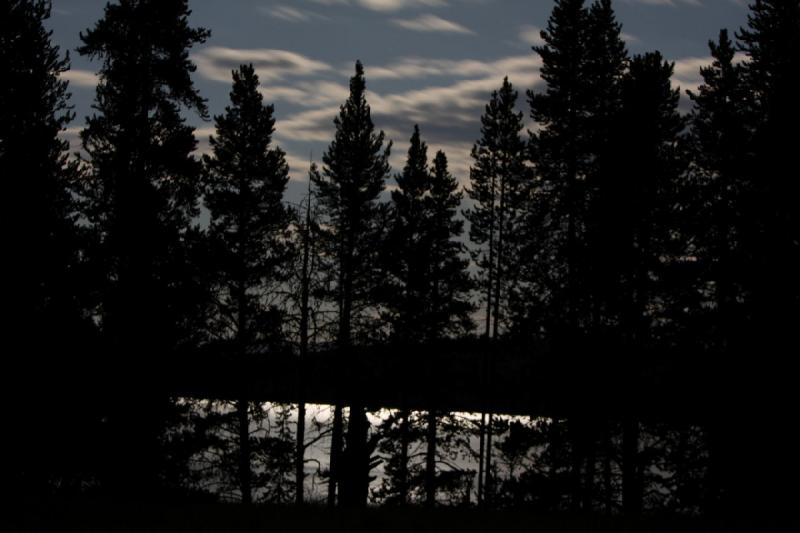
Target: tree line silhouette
[[621, 242]]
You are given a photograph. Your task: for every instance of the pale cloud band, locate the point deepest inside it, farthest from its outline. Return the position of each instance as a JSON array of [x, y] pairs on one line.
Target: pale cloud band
[[385, 5], [216, 63], [80, 78], [431, 23]]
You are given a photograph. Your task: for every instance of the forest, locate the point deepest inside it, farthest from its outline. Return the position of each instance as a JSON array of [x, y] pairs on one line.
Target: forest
[[597, 320]]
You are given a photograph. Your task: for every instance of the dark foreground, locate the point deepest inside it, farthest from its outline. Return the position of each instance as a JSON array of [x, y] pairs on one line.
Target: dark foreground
[[234, 518]]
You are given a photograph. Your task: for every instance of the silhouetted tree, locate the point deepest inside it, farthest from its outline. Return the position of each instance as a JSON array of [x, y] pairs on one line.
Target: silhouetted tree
[[427, 291], [353, 176], [642, 215], [47, 334], [771, 71], [306, 235], [140, 199], [408, 295], [722, 163], [561, 151], [583, 60], [248, 232], [451, 307], [499, 186]]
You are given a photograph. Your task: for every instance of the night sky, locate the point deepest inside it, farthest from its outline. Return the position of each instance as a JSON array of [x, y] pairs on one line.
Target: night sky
[[431, 62]]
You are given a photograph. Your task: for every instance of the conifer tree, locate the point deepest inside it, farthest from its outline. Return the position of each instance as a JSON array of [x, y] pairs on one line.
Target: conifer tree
[[772, 46], [47, 333], [583, 61], [451, 307], [721, 135], [408, 246], [353, 176], [645, 191], [248, 231], [499, 187], [140, 199], [722, 162], [771, 245], [427, 293]]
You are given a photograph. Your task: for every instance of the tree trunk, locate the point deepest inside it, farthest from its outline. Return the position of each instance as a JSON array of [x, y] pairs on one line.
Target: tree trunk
[[631, 483], [489, 288], [575, 432], [300, 445], [355, 480], [244, 451], [588, 478], [607, 489], [404, 443], [336, 454], [487, 484], [480, 458], [430, 462]]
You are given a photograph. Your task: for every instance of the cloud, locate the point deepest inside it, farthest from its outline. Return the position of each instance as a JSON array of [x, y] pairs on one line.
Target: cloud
[[418, 67], [80, 78], [531, 35], [289, 14], [671, 3], [431, 23], [687, 72], [307, 93], [385, 5], [311, 125], [448, 114], [629, 38], [216, 63], [394, 5]]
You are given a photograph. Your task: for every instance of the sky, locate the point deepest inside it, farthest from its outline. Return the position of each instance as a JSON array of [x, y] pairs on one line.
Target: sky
[[427, 62]]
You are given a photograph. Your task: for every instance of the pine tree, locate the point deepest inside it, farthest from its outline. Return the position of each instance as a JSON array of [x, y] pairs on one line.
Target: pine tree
[[248, 230], [560, 151], [772, 45], [353, 176], [771, 73], [721, 135], [140, 199], [499, 187], [645, 190], [427, 293], [307, 267], [583, 61], [47, 335], [451, 307], [407, 247]]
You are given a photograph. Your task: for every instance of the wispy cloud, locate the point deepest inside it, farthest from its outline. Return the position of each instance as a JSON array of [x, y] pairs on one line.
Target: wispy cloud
[[216, 63], [672, 3], [80, 78], [394, 5], [531, 35], [385, 5], [289, 13], [431, 23], [315, 93], [448, 113], [629, 38]]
